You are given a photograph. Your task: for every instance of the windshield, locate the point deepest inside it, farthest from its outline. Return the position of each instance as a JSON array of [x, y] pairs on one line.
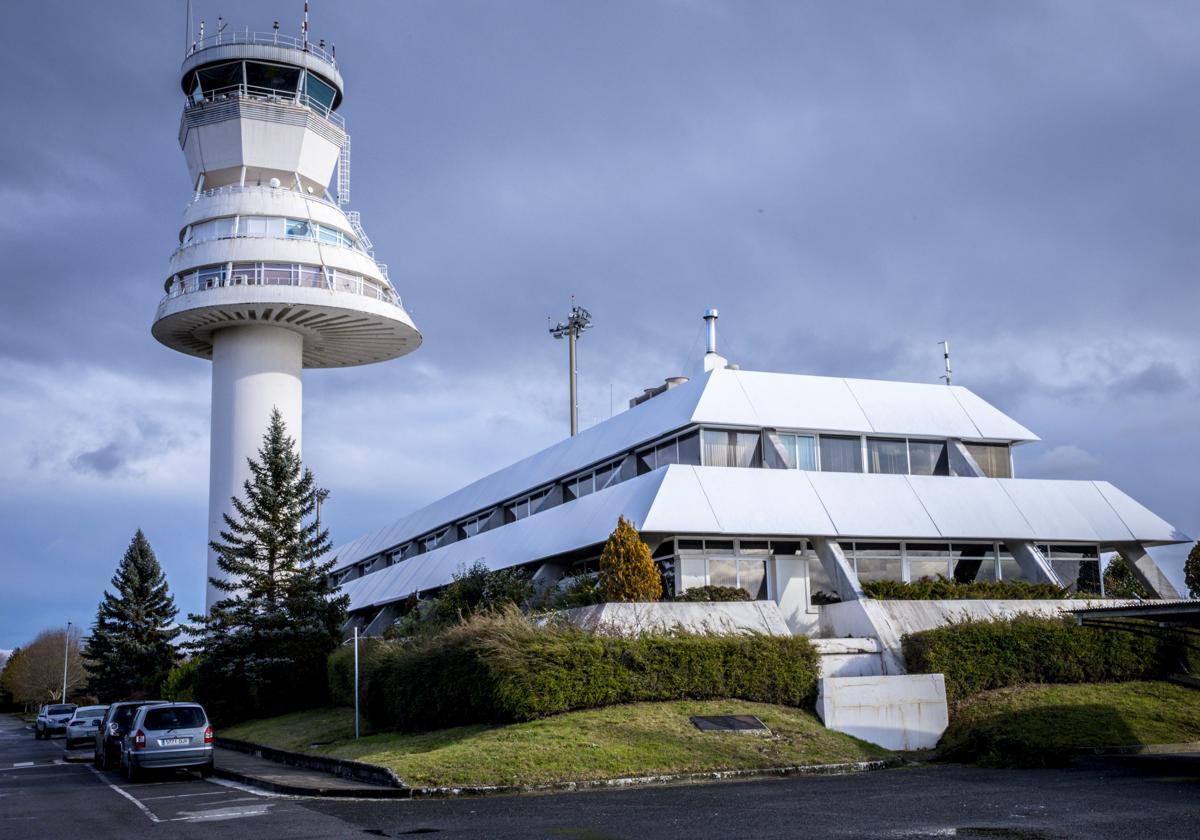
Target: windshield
[[60, 710], [174, 717], [124, 715]]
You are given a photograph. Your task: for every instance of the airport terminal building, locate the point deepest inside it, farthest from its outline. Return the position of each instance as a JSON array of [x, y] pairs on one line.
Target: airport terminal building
[[796, 488]]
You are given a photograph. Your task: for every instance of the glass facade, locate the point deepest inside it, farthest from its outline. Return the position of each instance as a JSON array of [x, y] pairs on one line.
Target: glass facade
[[263, 80], [928, 457], [886, 455], [268, 226], [841, 454], [732, 449], [993, 458]]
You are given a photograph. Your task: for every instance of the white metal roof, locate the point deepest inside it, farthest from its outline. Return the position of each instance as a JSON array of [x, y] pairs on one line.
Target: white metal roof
[[720, 397], [759, 502]]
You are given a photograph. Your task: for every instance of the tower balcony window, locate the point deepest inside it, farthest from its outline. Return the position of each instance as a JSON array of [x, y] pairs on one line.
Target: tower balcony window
[[263, 80]]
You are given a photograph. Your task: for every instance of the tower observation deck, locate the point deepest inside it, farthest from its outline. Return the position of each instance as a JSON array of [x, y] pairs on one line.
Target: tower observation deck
[[271, 275]]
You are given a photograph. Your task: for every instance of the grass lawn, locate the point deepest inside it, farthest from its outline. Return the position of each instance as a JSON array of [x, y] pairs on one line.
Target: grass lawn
[[1036, 725], [633, 740]]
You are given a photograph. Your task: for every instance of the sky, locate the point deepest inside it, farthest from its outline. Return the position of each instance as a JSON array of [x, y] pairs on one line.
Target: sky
[[849, 183]]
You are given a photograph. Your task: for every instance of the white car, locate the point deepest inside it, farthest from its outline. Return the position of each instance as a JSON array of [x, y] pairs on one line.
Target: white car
[[83, 725], [52, 718]]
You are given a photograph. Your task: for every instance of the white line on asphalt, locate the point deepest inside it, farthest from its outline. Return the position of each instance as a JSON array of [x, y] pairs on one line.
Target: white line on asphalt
[[267, 794], [182, 795], [24, 764], [127, 795]]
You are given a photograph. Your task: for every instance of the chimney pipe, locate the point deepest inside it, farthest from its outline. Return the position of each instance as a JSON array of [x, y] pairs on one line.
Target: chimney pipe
[[710, 319]]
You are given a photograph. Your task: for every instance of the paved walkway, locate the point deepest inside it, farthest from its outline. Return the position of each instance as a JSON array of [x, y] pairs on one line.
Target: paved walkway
[[282, 778]]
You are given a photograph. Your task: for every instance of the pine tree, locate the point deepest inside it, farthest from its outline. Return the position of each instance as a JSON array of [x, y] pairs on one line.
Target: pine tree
[[1191, 571], [262, 648], [130, 647], [627, 571], [1119, 580]]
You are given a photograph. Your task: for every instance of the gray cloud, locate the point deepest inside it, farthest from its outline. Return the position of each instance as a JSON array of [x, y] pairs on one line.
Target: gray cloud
[[848, 182]]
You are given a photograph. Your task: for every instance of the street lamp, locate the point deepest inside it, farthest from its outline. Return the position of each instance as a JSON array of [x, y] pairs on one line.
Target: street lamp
[[66, 650]]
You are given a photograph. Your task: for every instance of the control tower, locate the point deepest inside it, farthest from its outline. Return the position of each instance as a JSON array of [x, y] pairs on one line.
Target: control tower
[[271, 275]]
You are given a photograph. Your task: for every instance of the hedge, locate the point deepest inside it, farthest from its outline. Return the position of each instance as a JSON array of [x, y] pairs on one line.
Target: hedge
[[340, 668], [496, 669], [715, 593], [944, 589], [978, 656]]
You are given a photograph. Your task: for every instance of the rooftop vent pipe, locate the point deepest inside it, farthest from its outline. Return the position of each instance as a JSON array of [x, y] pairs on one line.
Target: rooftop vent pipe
[[710, 320]]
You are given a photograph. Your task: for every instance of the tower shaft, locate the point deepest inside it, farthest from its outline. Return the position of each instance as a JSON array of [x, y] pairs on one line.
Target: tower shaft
[[256, 370]]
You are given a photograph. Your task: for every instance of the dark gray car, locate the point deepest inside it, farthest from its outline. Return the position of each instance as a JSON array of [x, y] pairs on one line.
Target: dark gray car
[[168, 735], [112, 729]]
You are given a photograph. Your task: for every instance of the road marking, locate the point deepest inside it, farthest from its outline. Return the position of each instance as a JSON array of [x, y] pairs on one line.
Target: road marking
[[127, 795], [182, 795], [24, 764]]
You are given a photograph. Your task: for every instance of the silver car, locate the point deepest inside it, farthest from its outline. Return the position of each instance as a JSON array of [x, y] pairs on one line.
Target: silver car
[[82, 727], [52, 718], [167, 735]]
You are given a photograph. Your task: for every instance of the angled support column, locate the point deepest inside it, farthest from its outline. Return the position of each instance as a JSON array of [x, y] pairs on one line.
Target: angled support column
[[1033, 563], [1147, 571], [382, 621], [547, 577], [839, 569]]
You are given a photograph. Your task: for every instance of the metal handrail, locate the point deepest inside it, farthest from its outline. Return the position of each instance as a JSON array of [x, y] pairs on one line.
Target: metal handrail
[[269, 38], [281, 97], [313, 239], [233, 188], [354, 283]]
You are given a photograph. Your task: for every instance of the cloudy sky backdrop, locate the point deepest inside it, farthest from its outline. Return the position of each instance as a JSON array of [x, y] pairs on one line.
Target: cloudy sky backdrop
[[848, 182]]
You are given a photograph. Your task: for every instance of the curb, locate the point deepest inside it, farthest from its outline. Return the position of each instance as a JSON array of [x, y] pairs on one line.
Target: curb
[[404, 792], [662, 779], [1188, 748], [325, 793], [358, 771]]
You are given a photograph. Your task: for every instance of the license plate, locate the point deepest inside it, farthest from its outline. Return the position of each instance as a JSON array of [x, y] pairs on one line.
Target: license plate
[[174, 742]]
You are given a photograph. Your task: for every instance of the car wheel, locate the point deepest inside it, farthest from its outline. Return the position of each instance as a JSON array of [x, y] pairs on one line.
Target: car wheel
[[206, 770], [134, 774]]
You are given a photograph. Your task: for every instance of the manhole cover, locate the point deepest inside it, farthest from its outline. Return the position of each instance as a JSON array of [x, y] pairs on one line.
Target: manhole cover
[[730, 723]]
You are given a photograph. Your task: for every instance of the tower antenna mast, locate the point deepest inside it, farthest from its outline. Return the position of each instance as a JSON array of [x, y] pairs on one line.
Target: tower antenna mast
[[578, 321], [946, 358]]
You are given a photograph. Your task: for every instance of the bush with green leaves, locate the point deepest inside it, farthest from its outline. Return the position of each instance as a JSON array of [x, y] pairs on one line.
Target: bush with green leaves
[[479, 589], [978, 656], [581, 591], [715, 593], [502, 667], [944, 589], [340, 668]]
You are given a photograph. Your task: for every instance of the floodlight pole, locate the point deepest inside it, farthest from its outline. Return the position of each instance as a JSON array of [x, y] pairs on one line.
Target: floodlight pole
[[578, 321], [356, 681], [66, 650]]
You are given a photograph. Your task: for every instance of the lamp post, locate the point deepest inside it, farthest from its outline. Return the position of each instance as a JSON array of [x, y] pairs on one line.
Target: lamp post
[[66, 650]]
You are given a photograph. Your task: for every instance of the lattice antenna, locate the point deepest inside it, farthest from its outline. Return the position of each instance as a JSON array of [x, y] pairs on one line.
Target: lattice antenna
[[344, 172]]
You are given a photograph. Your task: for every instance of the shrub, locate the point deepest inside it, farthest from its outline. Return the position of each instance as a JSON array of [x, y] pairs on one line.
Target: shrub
[[581, 591], [340, 669], [502, 668], [627, 571], [944, 589], [479, 589], [977, 656], [716, 593], [179, 683]]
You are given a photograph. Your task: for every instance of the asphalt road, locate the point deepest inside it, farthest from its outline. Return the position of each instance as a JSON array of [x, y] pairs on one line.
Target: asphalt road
[[44, 798]]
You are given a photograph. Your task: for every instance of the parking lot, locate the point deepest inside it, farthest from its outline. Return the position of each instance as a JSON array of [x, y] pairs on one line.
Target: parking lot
[[46, 798]]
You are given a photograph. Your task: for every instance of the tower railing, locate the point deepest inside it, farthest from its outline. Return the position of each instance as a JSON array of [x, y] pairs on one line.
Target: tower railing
[[239, 188], [273, 39], [265, 94], [331, 280]]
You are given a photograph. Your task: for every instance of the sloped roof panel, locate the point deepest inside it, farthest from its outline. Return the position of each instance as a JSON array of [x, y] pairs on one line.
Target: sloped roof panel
[[1143, 523], [1065, 510], [969, 508], [883, 506], [990, 421], [908, 408]]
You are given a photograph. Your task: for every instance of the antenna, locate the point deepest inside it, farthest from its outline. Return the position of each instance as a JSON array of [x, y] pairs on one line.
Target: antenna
[[187, 28], [946, 357], [578, 321], [304, 29]]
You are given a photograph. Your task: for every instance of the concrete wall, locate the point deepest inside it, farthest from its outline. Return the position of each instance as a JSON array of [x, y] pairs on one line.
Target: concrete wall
[[895, 712], [723, 618]]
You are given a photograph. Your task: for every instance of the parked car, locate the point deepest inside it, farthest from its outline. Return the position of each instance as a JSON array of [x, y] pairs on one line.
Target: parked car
[[112, 729], [82, 727], [52, 719], [167, 735]]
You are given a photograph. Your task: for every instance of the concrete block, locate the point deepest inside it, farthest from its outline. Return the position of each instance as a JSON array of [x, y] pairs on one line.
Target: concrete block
[[906, 712]]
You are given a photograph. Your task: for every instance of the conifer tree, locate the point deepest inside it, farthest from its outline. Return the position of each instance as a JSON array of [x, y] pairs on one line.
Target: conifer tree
[[262, 648], [1191, 571], [1119, 580], [627, 571], [130, 647]]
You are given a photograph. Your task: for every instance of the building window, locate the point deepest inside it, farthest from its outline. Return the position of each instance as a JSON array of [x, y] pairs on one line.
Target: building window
[[749, 573], [877, 561], [885, 455], [972, 561], [927, 560], [792, 452], [841, 454], [928, 457], [993, 458], [732, 449], [1077, 566]]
